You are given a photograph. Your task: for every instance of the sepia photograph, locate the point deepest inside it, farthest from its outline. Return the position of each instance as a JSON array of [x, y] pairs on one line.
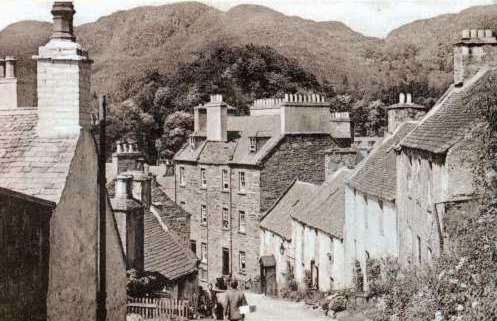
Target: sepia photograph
[[248, 160]]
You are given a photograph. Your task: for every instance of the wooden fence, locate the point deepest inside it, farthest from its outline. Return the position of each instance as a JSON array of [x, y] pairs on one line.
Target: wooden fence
[[159, 308]]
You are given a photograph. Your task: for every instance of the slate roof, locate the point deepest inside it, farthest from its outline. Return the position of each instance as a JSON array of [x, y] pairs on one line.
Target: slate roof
[[30, 164], [277, 219], [446, 124], [236, 150], [377, 174], [325, 208], [164, 252]]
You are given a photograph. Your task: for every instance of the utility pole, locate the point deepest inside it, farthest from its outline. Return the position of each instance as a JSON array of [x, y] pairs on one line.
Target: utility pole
[[101, 220]]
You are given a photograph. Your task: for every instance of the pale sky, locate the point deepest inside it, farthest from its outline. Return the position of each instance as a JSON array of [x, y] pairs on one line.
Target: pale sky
[[370, 17]]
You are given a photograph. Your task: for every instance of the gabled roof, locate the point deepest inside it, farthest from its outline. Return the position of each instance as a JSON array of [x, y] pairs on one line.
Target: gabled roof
[[30, 164], [164, 251], [448, 121], [377, 174], [277, 218], [325, 208]]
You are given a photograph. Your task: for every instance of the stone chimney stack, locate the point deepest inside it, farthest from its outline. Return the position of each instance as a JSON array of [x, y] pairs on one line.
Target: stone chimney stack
[[8, 83], [475, 50], [64, 71], [130, 222], [404, 110], [63, 13], [217, 119]]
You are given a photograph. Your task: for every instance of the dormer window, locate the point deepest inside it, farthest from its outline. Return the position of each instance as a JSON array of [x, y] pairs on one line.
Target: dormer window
[[253, 144]]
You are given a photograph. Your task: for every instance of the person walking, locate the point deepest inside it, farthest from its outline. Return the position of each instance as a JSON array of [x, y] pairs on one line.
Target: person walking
[[234, 300]]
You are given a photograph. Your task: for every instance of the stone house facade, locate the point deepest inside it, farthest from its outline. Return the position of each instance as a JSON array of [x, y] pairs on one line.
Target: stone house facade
[[49, 164], [438, 159], [235, 167]]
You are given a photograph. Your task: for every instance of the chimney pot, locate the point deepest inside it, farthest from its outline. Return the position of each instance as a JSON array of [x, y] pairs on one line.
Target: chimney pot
[[481, 34], [63, 15], [409, 99], [474, 33], [488, 33], [123, 186], [119, 147], [466, 34], [402, 98], [146, 169], [2, 68], [10, 67]]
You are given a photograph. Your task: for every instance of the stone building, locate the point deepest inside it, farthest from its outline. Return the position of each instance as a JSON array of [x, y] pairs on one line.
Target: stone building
[[276, 235], [50, 192], [153, 229], [234, 168], [317, 235], [438, 159]]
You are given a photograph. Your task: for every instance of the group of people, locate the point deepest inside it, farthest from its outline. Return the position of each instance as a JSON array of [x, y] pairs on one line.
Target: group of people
[[210, 306]]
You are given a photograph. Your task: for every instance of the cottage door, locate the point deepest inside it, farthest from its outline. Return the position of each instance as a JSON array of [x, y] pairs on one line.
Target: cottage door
[[268, 276]]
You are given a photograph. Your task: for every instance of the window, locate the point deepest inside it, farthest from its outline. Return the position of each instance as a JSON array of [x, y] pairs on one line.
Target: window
[[226, 219], [253, 144], [203, 178], [419, 250], [203, 253], [242, 221], [182, 176], [225, 180], [193, 246], [241, 182], [243, 263], [203, 215]]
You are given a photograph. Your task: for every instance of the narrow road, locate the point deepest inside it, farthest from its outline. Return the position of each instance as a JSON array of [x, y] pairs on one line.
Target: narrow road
[[269, 309]]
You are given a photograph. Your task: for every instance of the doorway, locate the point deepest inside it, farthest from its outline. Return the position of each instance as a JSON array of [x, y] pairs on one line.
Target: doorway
[[226, 261]]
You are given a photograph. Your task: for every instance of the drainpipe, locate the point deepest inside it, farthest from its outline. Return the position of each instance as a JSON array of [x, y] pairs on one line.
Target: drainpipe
[[101, 221]]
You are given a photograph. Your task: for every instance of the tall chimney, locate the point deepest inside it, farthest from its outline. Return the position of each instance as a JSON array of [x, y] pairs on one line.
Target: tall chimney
[[64, 72], [8, 83], [217, 119], [404, 110]]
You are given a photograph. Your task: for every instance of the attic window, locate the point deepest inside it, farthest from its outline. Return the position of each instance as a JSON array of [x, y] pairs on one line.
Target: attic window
[[253, 144]]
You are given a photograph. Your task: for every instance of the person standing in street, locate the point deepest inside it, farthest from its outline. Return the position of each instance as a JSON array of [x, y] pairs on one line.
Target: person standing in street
[[234, 300]]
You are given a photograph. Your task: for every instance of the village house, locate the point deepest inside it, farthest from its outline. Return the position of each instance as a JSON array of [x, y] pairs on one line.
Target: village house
[[438, 159], [50, 191], [235, 167], [276, 249], [154, 230]]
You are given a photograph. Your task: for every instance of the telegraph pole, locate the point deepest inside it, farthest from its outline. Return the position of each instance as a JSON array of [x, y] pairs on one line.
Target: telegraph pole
[[101, 221]]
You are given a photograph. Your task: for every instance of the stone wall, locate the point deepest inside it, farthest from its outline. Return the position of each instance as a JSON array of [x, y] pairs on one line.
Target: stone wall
[[370, 230], [297, 157], [72, 286], [24, 248], [192, 196]]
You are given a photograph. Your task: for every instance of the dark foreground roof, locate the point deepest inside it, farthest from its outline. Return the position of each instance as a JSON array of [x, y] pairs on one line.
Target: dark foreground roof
[[278, 218], [164, 252], [325, 209], [377, 174], [456, 113], [29, 164]]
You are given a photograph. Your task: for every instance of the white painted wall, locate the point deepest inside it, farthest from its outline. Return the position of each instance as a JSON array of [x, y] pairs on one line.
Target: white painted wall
[[326, 251], [270, 245], [370, 227]]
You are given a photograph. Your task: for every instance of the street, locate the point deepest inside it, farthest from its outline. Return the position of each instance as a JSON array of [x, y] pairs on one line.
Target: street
[[269, 309]]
